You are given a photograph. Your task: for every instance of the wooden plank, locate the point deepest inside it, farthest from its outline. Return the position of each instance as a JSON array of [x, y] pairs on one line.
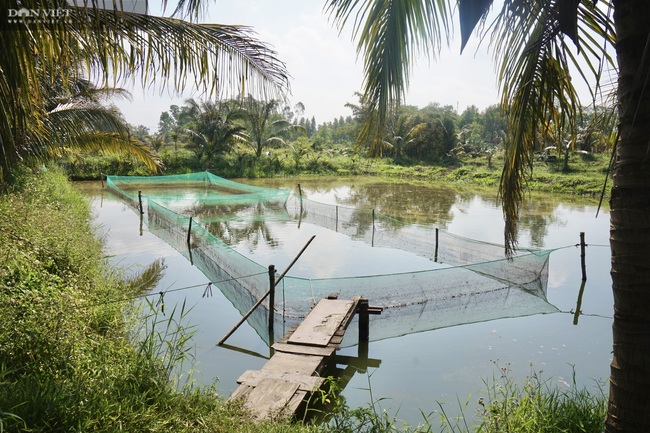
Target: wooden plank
[[294, 363], [305, 383], [305, 350], [241, 392], [322, 322], [269, 398], [292, 405]]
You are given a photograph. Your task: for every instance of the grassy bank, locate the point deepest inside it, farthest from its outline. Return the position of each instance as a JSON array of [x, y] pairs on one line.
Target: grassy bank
[[71, 357], [77, 355], [585, 175]]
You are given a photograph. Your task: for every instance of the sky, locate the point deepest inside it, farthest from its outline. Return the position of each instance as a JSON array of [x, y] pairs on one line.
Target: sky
[[323, 65]]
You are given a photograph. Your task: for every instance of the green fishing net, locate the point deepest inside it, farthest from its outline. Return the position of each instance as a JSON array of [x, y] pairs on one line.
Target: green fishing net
[[469, 281]]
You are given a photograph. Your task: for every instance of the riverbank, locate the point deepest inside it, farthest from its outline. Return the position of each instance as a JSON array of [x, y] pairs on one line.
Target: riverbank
[[75, 365], [584, 175]]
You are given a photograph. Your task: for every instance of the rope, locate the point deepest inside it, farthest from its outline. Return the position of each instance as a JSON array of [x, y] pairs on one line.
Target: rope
[[206, 293]]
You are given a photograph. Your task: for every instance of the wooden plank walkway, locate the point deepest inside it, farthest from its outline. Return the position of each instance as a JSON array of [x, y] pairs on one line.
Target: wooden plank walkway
[[289, 378]]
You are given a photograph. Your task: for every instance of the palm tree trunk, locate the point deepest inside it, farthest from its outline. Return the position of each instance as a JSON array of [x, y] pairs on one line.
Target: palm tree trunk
[[629, 395]]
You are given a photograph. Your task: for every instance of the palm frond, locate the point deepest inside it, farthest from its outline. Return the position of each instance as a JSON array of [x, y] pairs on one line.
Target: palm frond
[[390, 33], [536, 88], [113, 46]]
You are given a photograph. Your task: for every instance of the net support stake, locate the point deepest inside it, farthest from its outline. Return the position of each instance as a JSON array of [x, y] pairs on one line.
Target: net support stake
[[140, 202], [271, 298], [583, 266], [435, 254], [101, 178], [373, 228], [364, 320], [189, 231], [336, 227], [259, 302]]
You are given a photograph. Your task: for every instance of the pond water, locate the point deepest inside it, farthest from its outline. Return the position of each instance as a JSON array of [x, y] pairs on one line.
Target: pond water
[[413, 373]]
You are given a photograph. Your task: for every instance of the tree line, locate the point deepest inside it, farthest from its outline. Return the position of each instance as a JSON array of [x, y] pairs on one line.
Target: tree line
[[434, 134]]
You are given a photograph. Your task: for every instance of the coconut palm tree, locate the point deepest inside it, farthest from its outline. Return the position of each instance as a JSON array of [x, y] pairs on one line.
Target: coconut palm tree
[[213, 126], [532, 43], [265, 125], [113, 46], [78, 122]]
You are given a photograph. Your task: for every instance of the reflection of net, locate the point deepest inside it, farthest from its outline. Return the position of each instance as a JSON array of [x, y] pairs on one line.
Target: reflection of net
[[478, 284]]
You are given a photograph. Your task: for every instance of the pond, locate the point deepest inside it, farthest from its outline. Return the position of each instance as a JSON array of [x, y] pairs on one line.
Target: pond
[[416, 372]]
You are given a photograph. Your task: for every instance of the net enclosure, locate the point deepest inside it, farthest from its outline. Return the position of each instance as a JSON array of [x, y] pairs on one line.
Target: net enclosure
[[468, 280]]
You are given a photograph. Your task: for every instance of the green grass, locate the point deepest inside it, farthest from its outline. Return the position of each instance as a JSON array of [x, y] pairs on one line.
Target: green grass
[[585, 175], [72, 359]]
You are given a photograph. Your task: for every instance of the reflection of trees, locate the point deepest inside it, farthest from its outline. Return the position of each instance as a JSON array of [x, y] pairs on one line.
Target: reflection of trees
[[419, 203], [240, 223], [412, 203], [537, 218]]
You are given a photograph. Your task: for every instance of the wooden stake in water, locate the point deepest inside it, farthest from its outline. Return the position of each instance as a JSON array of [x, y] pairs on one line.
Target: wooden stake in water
[[140, 202], [582, 256], [364, 320], [373, 228], [189, 231], [435, 254], [271, 298]]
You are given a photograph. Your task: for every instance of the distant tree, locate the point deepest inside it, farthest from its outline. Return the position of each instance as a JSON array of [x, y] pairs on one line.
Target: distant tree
[[264, 124], [469, 116], [213, 127]]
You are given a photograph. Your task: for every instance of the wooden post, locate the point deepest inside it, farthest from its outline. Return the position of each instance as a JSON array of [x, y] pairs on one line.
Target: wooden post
[[271, 298], [373, 228], [300, 197], [364, 320], [435, 254], [140, 202], [582, 256], [101, 177], [189, 231], [336, 227]]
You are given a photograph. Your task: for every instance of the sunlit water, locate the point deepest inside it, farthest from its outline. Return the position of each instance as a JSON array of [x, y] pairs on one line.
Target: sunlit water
[[417, 371]]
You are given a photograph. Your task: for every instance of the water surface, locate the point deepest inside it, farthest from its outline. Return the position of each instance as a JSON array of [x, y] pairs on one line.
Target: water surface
[[418, 370]]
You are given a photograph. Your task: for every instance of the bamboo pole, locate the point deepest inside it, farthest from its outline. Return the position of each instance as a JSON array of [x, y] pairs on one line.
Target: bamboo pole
[[140, 202], [189, 231], [259, 302]]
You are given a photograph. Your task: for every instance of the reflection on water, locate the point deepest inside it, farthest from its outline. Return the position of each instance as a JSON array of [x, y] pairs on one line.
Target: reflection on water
[[420, 369]]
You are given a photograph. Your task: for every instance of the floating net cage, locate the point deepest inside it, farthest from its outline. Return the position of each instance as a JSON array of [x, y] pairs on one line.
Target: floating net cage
[[470, 281]]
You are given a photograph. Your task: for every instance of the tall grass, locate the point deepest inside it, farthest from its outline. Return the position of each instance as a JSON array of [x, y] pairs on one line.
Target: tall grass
[[534, 405], [72, 359]]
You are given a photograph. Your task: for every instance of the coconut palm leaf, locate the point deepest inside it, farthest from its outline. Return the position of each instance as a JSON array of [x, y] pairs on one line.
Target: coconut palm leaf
[[528, 41], [112, 46], [536, 86], [390, 33]]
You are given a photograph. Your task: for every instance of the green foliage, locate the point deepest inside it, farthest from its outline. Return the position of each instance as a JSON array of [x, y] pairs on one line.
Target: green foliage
[[536, 406]]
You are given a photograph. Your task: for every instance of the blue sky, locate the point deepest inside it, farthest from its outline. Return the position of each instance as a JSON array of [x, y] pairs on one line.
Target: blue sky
[[324, 67]]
